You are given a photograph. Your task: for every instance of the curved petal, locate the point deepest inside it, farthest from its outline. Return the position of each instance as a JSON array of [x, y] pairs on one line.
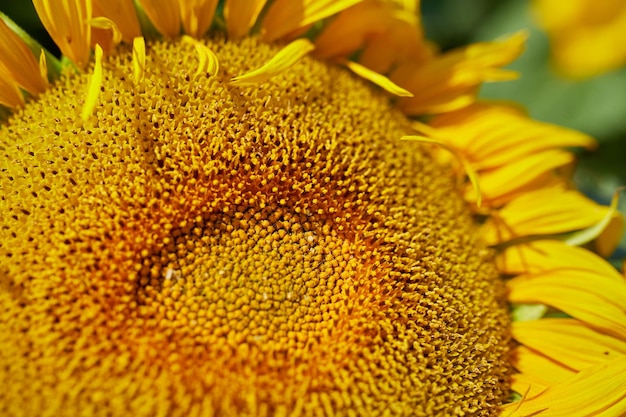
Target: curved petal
[[123, 13], [494, 134], [503, 184], [10, 94], [287, 16], [378, 79], [20, 61], [284, 59], [241, 15], [456, 73], [569, 342], [403, 41], [67, 23], [545, 255], [596, 391], [164, 15], [197, 16], [348, 31], [546, 211], [590, 297], [539, 368], [526, 385]]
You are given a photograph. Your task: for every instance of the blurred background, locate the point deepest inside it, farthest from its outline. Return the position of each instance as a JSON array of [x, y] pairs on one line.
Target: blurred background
[[595, 105]]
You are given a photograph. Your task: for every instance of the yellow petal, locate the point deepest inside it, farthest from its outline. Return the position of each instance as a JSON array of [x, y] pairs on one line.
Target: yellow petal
[[609, 239], [526, 385], [569, 342], [385, 33], [497, 53], [349, 30], [596, 391], [164, 15], [10, 94], [286, 16], [284, 59], [545, 255], [543, 212], [95, 82], [378, 79], [105, 33], [139, 58], [442, 100], [67, 23], [500, 185], [43, 65], [208, 62], [439, 81], [411, 6], [496, 134], [19, 61], [541, 369], [241, 15], [402, 41], [197, 16], [123, 13], [610, 227], [588, 296], [550, 179]]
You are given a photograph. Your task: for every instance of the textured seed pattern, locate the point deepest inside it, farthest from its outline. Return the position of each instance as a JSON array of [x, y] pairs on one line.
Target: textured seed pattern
[[196, 248]]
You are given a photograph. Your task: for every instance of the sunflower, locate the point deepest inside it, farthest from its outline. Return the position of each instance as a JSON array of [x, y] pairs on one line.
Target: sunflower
[[587, 37], [290, 208]]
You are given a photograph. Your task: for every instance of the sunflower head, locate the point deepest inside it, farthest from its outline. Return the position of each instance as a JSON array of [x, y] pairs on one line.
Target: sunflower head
[[223, 220]]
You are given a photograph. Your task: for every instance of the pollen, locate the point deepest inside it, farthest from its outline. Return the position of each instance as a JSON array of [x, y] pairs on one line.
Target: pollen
[[197, 247]]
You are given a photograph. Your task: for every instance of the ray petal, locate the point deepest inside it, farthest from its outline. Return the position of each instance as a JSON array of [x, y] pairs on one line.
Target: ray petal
[[95, 82], [546, 211], [592, 298], [544, 255], [19, 61], [349, 30], [543, 370], [500, 185], [10, 95], [569, 342], [403, 41], [123, 13], [105, 33], [287, 16], [378, 79], [526, 384], [241, 15], [438, 82], [284, 59], [495, 134], [67, 23], [164, 15], [596, 391], [607, 232], [197, 16], [139, 58], [207, 60]]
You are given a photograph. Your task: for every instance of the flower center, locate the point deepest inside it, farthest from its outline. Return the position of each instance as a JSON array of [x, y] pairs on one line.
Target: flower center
[[264, 277], [260, 249]]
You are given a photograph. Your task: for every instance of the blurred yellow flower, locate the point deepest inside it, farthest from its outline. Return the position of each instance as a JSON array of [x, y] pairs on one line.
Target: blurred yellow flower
[[587, 37]]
